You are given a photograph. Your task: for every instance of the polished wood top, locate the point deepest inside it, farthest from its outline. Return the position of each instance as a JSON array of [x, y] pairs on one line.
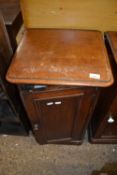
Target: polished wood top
[[112, 39], [64, 57]]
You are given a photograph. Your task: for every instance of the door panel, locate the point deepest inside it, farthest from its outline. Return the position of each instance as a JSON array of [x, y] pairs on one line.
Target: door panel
[[58, 116]]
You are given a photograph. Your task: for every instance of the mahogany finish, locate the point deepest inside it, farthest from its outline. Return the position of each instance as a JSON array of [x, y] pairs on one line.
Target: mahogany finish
[[103, 127], [59, 114], [65, 58]]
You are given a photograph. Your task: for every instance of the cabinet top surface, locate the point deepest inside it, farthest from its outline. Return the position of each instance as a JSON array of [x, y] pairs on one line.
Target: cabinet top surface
[[112, 39], [64, 57]]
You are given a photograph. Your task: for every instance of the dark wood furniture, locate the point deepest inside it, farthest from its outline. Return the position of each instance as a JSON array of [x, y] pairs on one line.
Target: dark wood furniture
[[10, 10], [58, 114], [58, 73], [11, 109], [103, 127]]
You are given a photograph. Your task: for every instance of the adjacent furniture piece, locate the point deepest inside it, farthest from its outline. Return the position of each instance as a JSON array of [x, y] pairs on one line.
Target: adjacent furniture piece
[[11, 110], [10, 10], [103, 127], [59, 74], [91, 14]]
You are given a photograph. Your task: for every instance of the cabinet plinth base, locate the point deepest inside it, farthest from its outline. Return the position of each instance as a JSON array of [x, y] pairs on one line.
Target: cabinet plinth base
[[100, 140]]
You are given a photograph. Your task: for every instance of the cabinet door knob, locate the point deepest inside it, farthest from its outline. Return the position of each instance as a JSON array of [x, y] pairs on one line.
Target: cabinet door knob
[[36, 127], [49, 103], [58, 102], [111, 119]]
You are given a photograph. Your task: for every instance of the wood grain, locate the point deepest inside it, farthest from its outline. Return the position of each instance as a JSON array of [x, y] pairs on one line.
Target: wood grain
[[86, 14], [64, 57]]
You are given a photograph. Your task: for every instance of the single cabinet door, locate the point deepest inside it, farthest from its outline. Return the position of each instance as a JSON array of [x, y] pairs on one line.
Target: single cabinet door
[[59, 117]]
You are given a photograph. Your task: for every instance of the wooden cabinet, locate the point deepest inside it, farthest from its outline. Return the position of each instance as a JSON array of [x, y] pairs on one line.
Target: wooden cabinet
[[70, 65], [103, 127], [59, 114]]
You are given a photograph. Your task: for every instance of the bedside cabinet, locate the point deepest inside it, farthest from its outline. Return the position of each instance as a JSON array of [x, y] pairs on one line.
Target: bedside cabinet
[[59, 73], [103, 127]]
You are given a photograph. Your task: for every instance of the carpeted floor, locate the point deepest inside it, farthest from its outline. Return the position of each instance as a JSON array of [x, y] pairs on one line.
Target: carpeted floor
[[24, 156]]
